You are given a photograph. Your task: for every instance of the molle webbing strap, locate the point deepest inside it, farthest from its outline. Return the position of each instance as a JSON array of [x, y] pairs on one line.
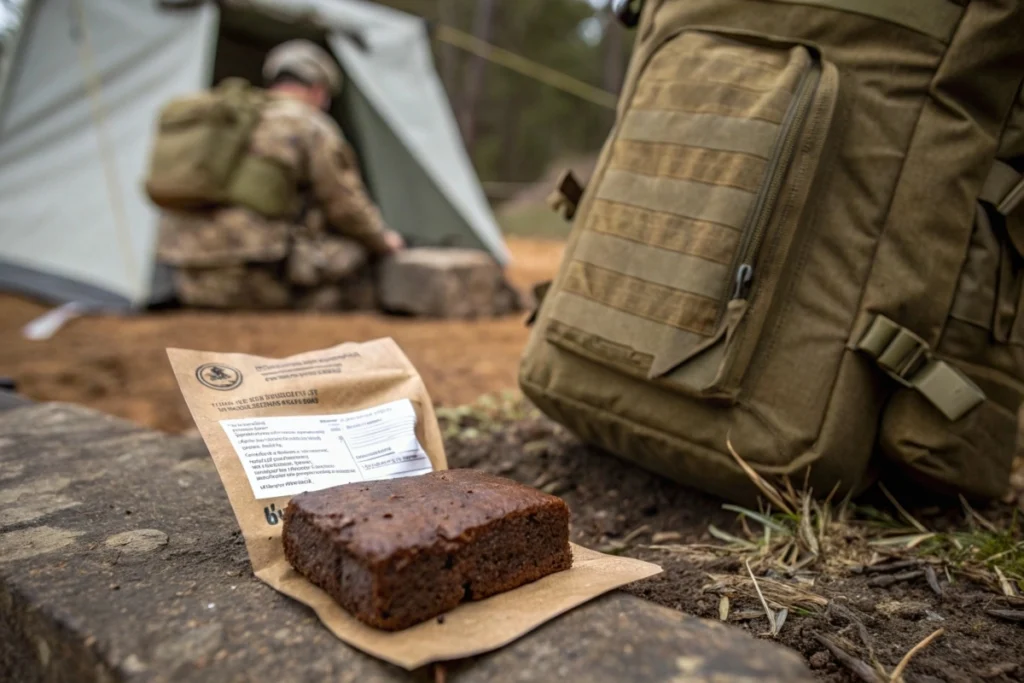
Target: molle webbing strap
[[906, 358]]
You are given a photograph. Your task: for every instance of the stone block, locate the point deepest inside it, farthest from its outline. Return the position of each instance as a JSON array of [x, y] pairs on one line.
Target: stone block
[[445, 283], [120, 560]]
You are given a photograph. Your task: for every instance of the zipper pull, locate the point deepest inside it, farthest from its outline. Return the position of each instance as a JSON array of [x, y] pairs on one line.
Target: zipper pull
[[744, 276]]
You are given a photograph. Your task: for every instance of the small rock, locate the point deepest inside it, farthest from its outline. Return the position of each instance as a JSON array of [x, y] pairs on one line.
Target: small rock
[[908, 609], [133, 665], [819, 660], [666, 537]]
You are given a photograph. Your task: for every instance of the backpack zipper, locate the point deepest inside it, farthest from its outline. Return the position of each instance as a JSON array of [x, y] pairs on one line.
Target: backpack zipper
[[782, 155]]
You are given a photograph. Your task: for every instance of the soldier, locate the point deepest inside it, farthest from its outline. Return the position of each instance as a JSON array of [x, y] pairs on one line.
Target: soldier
[[233, 257]]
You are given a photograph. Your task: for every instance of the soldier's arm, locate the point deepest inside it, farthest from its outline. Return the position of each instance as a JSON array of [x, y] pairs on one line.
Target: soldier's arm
[[339, 189]]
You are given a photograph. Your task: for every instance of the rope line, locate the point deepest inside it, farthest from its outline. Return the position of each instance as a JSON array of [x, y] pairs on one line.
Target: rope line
[[526, 67], [94, 87]]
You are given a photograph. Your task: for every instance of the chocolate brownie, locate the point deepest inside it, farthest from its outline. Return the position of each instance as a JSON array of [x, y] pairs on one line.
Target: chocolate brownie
[[397, 552]]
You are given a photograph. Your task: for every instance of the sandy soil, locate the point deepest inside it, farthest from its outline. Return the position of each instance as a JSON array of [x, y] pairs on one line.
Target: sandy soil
[[118, 364]]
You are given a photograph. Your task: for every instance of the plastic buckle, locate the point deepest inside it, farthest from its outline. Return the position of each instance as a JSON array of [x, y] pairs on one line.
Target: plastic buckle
[[906, 358], [897, 350]]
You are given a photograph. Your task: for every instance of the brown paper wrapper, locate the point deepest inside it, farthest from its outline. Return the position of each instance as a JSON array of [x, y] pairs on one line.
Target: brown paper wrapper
[[337, 381]]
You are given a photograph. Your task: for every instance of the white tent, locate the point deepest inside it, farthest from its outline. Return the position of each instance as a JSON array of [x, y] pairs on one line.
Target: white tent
[[85, 84]]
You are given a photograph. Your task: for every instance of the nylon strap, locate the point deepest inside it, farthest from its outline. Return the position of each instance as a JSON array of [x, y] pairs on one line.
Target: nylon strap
[[566, 196], [906, 358], [1004, 188]]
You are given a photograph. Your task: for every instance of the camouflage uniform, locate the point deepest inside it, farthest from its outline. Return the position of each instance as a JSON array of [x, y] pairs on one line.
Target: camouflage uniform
[[235, 258]]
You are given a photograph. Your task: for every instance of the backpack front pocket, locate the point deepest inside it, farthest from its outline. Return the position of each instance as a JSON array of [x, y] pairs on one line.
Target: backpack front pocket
[[712, 159]]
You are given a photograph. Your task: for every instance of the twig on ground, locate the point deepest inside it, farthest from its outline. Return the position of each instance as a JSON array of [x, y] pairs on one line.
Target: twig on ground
[[859, 668], [746, 615], [897, 673], [636, 533], [1004, 583], [764, 520], [780, 619], [862, 631], [1016, 615], [777, 593], [887, 580], [932, 579], [729, 538], [972, 514], [908, 542], [805, 527], [764, 603], [766, 488], [903, 512], [890, 567]]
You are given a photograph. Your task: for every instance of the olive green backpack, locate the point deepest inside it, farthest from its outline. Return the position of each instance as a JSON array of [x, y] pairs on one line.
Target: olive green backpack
[[199, 158], [804, 241]]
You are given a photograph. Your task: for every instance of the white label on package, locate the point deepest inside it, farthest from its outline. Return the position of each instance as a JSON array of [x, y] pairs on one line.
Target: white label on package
[[283, 456]]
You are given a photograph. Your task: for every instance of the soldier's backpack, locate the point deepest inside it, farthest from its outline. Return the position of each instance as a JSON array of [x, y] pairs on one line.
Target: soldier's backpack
[[199, 157], [803, 240]]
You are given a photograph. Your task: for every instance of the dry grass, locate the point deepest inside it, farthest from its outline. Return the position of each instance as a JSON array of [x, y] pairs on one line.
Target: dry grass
[[793, 532]]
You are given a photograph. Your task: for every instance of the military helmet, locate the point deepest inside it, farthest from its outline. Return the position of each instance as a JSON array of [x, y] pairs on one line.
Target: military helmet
[[305, 60]]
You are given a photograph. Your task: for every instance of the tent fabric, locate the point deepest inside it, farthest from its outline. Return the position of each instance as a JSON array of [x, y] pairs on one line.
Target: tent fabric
[[67, 234], [61, 232]]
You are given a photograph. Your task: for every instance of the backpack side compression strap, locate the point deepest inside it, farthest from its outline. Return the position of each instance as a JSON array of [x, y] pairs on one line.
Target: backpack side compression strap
[[906, 358]]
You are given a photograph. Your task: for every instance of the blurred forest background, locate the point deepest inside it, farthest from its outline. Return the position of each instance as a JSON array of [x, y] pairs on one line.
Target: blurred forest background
[[522, 129], [515, 126]]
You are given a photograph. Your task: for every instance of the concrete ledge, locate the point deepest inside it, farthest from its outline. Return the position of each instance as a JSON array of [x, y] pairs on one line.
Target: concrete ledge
[[120, 560]]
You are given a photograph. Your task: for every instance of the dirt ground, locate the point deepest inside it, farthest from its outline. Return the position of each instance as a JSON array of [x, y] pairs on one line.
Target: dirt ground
[[619, 508], [119, 365]]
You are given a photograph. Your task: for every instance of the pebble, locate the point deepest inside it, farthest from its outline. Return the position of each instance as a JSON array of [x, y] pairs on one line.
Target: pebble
[[819, 660]]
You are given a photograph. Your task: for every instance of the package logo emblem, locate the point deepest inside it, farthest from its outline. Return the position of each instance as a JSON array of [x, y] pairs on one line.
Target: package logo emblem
[[219, 376]]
